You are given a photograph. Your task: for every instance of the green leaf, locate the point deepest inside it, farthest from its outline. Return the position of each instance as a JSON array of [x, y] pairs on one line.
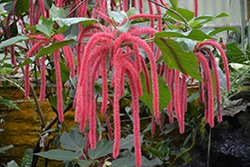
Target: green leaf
[[74, 20], [103, 147], [46, 26], [222, 15], [128, 142], [72, 141], [176, 58], [21, 6], [194, 34], [187, 14], [56, 12], [204, 17], [218, 30], [132, 11], [47, 4], [117, 16], [53, 100], [12, 163], [130, 162], [14, 40], [9, 7], [9, 103], [164, 93], [58, 155], [2, 149], [53, 47], [83, 163], [174, 4], [27, 158]]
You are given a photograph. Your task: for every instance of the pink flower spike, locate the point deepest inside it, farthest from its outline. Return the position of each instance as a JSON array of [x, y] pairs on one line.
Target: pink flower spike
[[223, 55], [217, 82], [104, 84], [43, 79], [27, 81], [208, 81], [42, 8], [58, 85], [177, 95], [196, 8], [137, 57]]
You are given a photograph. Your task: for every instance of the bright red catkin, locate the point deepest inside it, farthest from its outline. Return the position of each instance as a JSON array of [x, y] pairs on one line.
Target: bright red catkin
[[136, 111], [182, 100], [43, 79], [223, 55], [127, 38], [217, 82], [177, 95], [104, 84], [27, 80], [140, 6], [58, 85], [170, 107], [208, 81], [196, 8], [116, 110], [31, 13]]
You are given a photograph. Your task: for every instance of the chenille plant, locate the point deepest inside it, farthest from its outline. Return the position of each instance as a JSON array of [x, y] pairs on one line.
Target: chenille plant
[[109, 44]]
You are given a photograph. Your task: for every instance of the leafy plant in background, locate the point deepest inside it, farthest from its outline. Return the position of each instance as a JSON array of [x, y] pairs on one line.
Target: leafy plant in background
[[109, 45]]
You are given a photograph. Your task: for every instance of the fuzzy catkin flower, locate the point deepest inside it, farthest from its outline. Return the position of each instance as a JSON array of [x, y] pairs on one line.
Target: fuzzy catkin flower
[[196, 8], [43, 79], [127, 38], [223, 55], [208, 81]]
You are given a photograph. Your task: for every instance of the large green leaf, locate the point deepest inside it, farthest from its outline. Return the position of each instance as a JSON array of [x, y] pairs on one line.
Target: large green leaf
[[130, 162], [9, 103], [74, 20], [14, 40], [176, 58], [84, 163], [128, 142], [72, 141], [58, 155], [103, 147], [187, 14], [21, 6], [218, 30], [164, 93], [45, 26], [194, 34]]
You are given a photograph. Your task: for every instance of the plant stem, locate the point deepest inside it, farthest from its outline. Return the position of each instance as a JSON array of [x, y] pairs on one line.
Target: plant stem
[[186, 23], [75, 8], [209, 146]]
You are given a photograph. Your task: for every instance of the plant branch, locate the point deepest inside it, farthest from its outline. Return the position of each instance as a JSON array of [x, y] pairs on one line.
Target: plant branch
[[186, 23]]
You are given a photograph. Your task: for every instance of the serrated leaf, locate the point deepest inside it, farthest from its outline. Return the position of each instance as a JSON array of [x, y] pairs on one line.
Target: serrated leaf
[[72, 141], [103, 147], [176, 58], [45, 26], [58, 155], [84, 163], [56, 12], [218, 30], [14, 40], [9, 103], [194, 34], [164, 93]]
